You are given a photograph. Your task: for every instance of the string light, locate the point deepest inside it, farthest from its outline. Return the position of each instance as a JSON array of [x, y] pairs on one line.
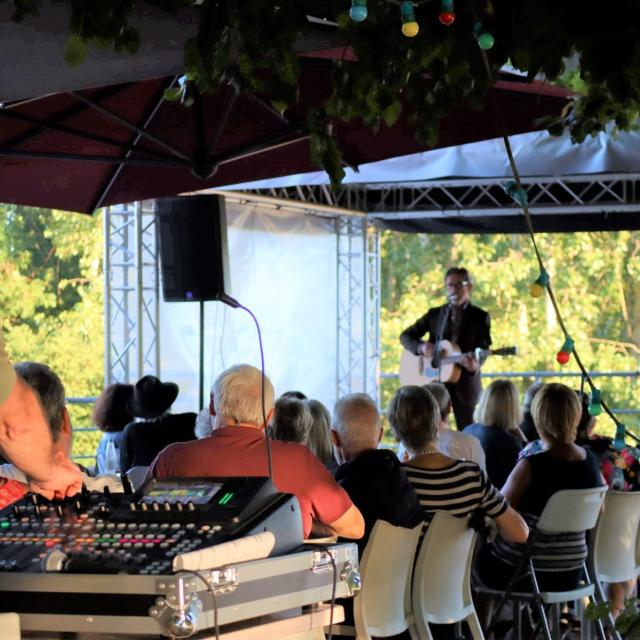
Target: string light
[[447, 14], [484, 38], [410, 27], [618, 442], [564, 355], [358, 11], [595, 406], [519, 195], [538, 287]]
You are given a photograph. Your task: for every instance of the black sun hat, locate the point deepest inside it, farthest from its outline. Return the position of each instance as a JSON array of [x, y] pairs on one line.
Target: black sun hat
[[151, 398]]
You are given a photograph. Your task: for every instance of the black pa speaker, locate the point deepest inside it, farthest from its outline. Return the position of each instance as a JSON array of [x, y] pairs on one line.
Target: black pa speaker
[[192, 236]]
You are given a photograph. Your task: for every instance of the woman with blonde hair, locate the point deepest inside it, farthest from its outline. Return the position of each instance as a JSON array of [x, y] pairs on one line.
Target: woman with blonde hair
[[497, 418], [562, 464], [319, 438]]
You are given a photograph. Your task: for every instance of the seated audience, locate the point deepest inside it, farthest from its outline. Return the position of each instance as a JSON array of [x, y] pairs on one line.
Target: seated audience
[[558, 558], [51, 393], [497, 418], [372, 477], [455, 444], [142, 441], [291, 421], [526, 426], [319, 440], [236, 447], [111, 415], [296, 395], [204, 423], [442, 483]]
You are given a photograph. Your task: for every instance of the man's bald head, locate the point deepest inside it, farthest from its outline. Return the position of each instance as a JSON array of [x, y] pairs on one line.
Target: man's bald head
[[356, 425]]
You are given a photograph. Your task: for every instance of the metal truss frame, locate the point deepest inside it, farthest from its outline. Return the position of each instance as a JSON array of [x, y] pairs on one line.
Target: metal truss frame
[[131, 292], [547, 195], [358, 306]]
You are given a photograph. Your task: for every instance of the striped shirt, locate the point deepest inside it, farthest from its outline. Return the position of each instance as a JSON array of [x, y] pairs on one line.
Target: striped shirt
[[460, 489]]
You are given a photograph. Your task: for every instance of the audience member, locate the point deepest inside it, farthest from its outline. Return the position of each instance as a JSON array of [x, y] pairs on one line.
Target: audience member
[[558, 558], [291, 421], [455, 444], [319, 440], [443, 484], [526, 426], [51, 393], [236, 447], [296, 395], [372, 477], [204, 423], [111, 415], [142, 441], [25, 439], [497, 418]]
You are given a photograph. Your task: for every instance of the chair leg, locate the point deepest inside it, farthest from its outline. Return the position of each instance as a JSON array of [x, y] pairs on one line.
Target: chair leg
[[538, 602], [474, 626]]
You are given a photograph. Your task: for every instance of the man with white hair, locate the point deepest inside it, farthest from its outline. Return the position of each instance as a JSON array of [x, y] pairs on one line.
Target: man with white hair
[[372, 477], [236, 447]]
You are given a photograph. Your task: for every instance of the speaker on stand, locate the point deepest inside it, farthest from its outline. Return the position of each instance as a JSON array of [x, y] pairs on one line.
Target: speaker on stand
[[192, 239]]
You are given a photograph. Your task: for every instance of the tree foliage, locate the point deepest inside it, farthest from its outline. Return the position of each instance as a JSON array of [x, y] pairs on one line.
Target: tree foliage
[[252, 45], [51, 297], [595, 278]]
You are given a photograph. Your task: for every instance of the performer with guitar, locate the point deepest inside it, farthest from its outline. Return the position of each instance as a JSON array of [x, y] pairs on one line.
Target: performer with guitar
[[458, 322]]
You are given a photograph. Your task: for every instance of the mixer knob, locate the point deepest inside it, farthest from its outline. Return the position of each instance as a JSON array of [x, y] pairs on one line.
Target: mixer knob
[[143, 506], [132, 506], [155, 506], [191, 506], [179, 506], [167, 506]]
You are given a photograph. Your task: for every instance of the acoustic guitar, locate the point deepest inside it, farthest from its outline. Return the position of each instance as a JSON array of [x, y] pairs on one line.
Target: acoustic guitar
[[420, 370]]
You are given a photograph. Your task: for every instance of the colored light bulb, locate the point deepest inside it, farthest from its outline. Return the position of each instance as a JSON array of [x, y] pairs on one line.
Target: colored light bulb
[[358, 11], [537, 288], [595, 406], [564, 355], [484, 38], [447, 14], [618, 441], [410, 27]]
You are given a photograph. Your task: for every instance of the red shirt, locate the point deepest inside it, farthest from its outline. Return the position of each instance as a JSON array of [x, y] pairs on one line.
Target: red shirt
[[11, 491], [241, 451]]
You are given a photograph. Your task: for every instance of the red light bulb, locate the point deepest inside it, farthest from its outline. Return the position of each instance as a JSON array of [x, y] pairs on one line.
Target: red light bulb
[[563, 357], [447, 17]]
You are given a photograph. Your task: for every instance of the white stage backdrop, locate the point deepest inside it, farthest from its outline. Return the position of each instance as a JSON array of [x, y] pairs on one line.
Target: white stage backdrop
[[282, 266]]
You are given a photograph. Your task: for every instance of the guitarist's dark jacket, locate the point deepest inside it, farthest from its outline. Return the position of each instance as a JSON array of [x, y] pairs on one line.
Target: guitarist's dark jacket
[[474, 331]]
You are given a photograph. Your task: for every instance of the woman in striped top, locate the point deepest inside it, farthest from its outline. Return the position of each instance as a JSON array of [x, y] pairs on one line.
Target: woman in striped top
[[561, 464], [442, 483]]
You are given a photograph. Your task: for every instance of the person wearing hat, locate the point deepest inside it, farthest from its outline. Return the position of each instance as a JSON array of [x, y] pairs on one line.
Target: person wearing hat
[[143, 440]]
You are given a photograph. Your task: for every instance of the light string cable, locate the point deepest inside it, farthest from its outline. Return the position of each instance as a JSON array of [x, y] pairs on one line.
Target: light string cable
[[522, 201]]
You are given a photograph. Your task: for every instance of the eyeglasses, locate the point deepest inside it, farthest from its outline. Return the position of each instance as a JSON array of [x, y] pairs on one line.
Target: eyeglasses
[[456, 285]]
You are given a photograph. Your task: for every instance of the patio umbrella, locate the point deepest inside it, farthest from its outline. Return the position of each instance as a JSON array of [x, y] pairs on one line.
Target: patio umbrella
[[81, 150]]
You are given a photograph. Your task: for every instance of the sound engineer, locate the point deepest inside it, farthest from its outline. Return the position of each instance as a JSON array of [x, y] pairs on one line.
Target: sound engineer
[[236, 447], [25, 439]]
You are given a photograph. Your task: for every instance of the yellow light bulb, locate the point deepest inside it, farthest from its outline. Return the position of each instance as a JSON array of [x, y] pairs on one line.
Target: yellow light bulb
[[536, 290], [410, 29]]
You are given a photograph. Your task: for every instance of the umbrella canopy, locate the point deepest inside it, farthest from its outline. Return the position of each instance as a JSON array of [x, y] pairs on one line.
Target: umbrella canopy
[[82, 150]]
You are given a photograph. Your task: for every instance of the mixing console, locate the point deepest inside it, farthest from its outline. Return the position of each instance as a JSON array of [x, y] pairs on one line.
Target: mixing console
[[143, 533]]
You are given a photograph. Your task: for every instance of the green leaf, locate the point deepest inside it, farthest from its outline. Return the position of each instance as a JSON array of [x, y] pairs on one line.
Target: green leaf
[[279, 106], [391, 114], [173, 94], [75, 50]]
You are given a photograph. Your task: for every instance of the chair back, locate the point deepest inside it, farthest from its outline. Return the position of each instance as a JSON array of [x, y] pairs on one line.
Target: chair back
[[572, 510], [615, 540], [383, 606], [442, 577]]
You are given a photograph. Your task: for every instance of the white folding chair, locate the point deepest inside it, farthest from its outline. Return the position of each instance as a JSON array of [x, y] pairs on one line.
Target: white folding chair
[[614, 545], [382, 608], [567, 511], [441, 592]]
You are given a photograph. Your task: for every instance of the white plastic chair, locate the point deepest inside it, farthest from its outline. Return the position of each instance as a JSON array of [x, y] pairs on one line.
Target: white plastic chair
[[382, 608], [10, 625], [614, 549], [441, 592], [567, 511]]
